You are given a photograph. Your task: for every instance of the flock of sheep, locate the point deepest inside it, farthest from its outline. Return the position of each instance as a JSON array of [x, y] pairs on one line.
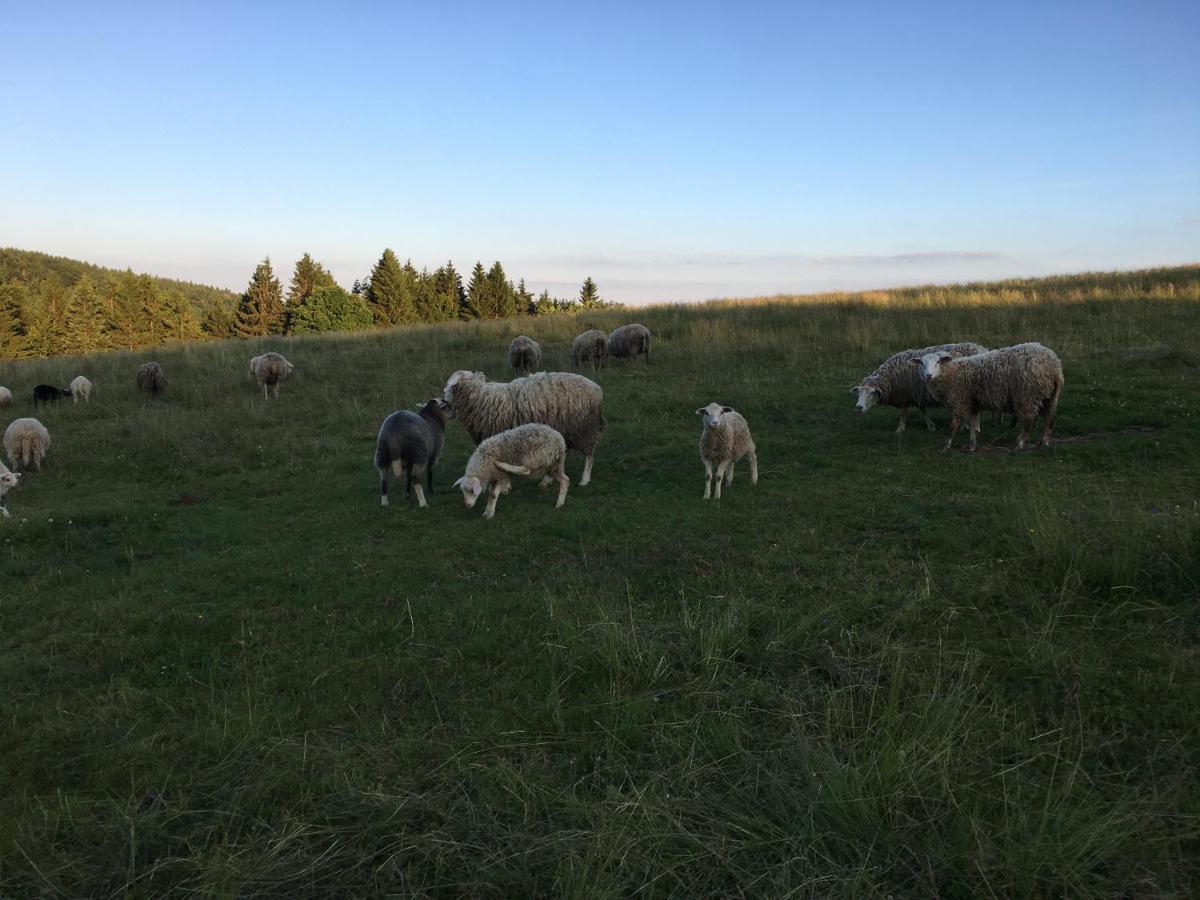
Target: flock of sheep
[[526, 426]]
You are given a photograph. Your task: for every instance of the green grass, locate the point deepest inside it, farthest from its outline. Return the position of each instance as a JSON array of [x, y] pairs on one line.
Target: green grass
[[225, 670]]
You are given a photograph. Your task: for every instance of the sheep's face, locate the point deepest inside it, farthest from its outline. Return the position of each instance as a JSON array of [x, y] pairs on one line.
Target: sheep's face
[[713, 413], [9, 479], [931, 364], [868, 396], [451, 385], [471, 488]]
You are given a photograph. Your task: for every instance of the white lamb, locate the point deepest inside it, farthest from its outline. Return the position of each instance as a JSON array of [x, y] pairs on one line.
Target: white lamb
[[269, 370], [8, 481], [81, 387], [531, 450], [25, 443], [724, 439]]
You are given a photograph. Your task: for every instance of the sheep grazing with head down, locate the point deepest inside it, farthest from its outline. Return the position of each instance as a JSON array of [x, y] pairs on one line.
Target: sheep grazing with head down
[[591, 346], [48, 393], [151, 379], [898, 383], [26, 442], [524, 354], [568, 403], [410, 442], [630, 341], [81, 388], [1025, 380], [8, 481], [531, 450], [269, 370], [724, 439], [6, 397]]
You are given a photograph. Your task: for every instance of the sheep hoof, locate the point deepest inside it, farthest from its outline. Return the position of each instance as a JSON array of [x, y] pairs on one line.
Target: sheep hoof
[[383, 501]]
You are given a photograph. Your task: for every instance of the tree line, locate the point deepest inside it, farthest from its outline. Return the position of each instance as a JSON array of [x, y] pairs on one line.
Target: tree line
[[51, 306]]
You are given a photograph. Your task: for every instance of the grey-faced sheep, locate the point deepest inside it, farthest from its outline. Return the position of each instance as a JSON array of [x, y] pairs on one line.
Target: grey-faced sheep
[[48, 393], [151, 379], [724, 439], [898, 383], [6, 397], [531, 450], [568, 403], [81, 388], [409, 444], [630, 341], [269, 370], [524, 354], [26, 442], [1025, 380], [591, 346], [8, 481]]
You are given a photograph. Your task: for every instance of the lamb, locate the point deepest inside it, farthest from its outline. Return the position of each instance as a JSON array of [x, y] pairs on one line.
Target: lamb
[[26, 442], [270, 369], [531, 449], [591, 346], [151, 379], [6, 397], [630, 341], [48, 393], [724, 439], [569, 403], [1025, 380], [81, 387], [524, 354], [410, 442], [8, 481], [897, 383]]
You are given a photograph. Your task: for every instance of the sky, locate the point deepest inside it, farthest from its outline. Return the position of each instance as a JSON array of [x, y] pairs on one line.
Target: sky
[[670, 151]]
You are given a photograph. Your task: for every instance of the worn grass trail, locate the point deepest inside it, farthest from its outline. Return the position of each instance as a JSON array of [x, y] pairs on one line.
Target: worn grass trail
[[224, 669]]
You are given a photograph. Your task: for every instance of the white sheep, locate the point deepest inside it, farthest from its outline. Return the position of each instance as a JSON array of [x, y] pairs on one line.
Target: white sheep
[[531, 450], [26, 442], [6, 397], [8, 481], [1025, 380], [724, 439], [269, 370], [630, 341], [899, 384], [81, 387], [568, 403], [591, 346], [524, 354]]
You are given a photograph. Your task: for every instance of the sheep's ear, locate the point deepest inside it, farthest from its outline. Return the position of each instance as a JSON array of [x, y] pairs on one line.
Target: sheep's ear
[[516, 470], [701, 411], [726, 409], [916, 360], [943, 359], [459, 482], [855, 390], [454, 379], [476, 486]]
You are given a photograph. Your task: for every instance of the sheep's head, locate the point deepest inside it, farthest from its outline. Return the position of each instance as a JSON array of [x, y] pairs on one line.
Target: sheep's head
[[868, 395], [9, 479], [713, 413], [459, 377], [471, 487], [931, 364]]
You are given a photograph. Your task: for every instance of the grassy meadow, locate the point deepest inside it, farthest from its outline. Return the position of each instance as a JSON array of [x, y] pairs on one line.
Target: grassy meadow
[[885, 670]]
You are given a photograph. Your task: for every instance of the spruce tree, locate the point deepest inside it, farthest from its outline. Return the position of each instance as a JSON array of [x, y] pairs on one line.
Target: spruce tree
[[12, 323], [308, 276], [525, 304], [589, 295], [477, 294], [260, 311], [390, 292], [85, 324], [179, 320]]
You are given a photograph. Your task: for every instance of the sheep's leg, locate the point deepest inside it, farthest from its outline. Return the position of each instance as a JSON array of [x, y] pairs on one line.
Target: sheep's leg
[[753, 467], [903, 420], [383, 481], [1048, 416], [721, 467], [929, 424], [420, 492], [587, 471], [729, 474], [276, 390], [563, 483], [546, 481], [408, 480], [973, 424], [264, 387], [955, 421], [493, 495], [429, 478], [707, 479]]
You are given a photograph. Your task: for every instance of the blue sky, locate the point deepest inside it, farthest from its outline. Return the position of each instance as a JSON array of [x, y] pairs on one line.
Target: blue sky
[[671, 151]]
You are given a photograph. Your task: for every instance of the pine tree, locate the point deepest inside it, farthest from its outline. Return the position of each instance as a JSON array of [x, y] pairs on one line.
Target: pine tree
[[589, 295], [308, 276], [525, 304], [477, 294], [12, 323], [219, 322], [260, 311], [451, 299], [390, 292], [179, 320], [85, 321]]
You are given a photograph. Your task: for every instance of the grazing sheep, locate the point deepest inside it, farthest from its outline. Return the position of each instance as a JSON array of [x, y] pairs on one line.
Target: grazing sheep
[[270, 369], [6, 397], [631, 341], [410, 442], [724, 439], [569, 403], [591, 346], [8, 481], [26, 442], [531, 449], [48, 393], [151, 379], [897, 383], [1025, 380], [81, 387], [524, 354]]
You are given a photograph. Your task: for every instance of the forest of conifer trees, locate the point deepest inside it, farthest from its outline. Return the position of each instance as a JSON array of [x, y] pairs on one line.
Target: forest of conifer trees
[[52, 306]]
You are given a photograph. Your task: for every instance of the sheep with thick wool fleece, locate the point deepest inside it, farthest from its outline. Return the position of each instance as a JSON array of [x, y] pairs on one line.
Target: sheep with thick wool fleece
[[524, 354], [269, 370], [630, 341], [724, 439], [591, 346], [898, 383], [26, 443], [531, 450], [151, 379], [81, 387]]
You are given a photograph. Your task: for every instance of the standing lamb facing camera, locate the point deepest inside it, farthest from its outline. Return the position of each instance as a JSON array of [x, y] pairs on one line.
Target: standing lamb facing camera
[[1025, 380], [26, 442], [724, 439], [269, 370], [81, 387], [568, 403], [8, 481], [898, 383], [524, 354], [410, 442], [531, 450]]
